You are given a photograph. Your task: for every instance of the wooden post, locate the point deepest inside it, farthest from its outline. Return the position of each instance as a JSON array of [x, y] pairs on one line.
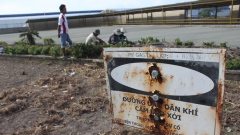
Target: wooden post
[[162, 16], [126, 17], [151, 17], [94, 21], [113, 19], [121, 19], [231, 14], [191, 14]]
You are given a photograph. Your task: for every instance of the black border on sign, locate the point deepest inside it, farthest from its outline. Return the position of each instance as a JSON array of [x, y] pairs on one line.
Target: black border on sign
[[210, 69]]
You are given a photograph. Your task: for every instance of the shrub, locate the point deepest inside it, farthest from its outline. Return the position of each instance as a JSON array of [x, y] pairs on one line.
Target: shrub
[[6, 49], [163, 40], [177, 41], [88, 50], [81, 50], [20, 49], [149, 40], [3, 43], [209, 44], [9, 49], [34, 50], [233, 64], [55, 51], [77, 51], [48, 41], [23, 49], [143, 40], [188, 43], [68, 51], [224, 44], [45, 50]]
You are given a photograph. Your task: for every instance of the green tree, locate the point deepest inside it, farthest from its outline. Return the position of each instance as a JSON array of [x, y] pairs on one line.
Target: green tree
[[29, 36], [206, 12]]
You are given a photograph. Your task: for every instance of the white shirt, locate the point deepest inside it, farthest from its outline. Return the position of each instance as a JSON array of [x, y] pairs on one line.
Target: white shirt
[[62, 21], [91, 38]]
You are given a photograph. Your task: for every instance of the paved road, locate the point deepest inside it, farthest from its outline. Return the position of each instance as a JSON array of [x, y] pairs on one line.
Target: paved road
[[197, 34]]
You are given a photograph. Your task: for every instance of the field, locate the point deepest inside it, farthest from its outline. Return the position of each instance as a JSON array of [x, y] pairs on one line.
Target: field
[[42, 98]]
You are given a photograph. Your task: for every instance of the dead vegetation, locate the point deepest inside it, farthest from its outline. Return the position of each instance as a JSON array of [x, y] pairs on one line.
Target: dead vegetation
[[61, 103], [231, 108]]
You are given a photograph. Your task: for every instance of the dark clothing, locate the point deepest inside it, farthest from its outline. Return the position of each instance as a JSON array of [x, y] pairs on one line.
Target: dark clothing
[[113, 39], [121, 37]]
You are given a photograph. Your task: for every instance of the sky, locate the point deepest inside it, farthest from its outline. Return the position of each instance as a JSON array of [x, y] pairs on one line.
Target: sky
[[42, 6]]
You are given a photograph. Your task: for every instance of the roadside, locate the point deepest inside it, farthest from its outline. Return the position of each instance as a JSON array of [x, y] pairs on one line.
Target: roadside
[[42, 98]]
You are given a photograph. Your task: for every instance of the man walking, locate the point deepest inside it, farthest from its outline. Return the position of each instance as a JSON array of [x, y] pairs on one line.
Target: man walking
[[63, 29]]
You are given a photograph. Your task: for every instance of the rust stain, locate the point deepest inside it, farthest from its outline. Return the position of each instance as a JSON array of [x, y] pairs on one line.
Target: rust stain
[[159, 77], [135, 72], [189, 105], [199, 93], [157, 110], [147, 117], [219, 106], [192, 84], [213, 108], [113, 97], [122, 106], [224, 57], [160, 49], [111, 108], [126, 75], [150, 108], [221, 51], [150, 56], [106, 57]]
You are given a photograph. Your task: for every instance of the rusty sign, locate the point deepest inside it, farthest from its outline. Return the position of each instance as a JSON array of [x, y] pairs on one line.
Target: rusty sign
[[168, 91]]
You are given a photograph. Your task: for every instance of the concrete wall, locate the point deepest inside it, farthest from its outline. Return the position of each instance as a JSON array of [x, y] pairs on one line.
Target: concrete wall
[[157, 17], [236, 13], [13, 30], [81, 22]]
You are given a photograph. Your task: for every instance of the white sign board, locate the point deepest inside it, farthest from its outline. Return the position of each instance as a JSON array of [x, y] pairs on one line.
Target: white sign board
[[173, 91]]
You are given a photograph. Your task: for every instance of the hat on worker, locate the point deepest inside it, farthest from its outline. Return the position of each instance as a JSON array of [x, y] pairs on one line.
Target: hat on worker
[[117, 32], [97, 31], [123, 30]]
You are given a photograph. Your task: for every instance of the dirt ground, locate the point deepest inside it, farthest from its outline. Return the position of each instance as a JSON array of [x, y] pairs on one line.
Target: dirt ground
[[41, 98]]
